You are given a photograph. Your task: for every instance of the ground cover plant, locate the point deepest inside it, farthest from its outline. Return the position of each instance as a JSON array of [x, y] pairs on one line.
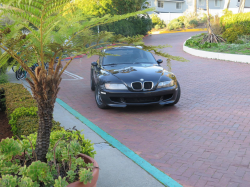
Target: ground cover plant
[[241, 46], [19, 164]]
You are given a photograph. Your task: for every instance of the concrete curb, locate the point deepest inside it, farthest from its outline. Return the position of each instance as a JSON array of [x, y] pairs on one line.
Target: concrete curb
[[218, 56], [183, 30]]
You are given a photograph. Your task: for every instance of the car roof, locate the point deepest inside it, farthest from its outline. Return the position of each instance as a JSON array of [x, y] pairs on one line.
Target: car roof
[[124, 47]]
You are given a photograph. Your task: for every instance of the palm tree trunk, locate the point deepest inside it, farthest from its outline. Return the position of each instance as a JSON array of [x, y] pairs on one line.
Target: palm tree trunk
[[195, 6], [208, 18], [45, 114], [45, 91], [210, 37], [242, 6], [227, 3]]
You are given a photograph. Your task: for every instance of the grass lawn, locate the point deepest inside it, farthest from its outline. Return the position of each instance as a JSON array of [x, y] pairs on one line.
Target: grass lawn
[[234, 48]]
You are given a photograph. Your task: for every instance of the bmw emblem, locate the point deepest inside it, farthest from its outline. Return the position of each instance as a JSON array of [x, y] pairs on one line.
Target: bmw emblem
[[141, 80]]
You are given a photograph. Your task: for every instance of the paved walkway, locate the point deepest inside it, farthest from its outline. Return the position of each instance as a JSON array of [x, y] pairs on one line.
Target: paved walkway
[[203, 140]]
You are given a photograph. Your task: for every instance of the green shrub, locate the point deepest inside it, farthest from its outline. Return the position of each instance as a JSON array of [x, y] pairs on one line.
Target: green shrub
[[232, 34], [86, 145], [17, 96], [229, 20], [3, 78], [174, 24], [24, 121], [2, 100], [157, 22], [21, 110], [18, 165], [193, 23], [203, 19], [137, 25], [192, 43], [181, 19], [157, 27], [197, 43], [239, 42]]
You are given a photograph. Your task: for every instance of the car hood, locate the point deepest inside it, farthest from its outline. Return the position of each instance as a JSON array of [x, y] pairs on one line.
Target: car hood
[[134, 73]]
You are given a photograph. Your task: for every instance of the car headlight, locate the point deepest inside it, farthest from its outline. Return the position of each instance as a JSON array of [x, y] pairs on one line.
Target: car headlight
[[115, 86], [165, 84]]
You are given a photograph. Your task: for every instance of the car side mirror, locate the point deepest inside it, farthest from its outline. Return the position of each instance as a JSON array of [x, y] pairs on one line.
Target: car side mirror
[[94, 64], [159, 61]]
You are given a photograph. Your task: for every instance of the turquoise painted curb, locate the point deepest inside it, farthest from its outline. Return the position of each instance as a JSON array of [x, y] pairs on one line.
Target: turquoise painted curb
[[159, 175]]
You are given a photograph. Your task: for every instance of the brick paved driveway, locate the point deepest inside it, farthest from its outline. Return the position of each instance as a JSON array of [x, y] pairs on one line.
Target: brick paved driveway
[[203, 140]]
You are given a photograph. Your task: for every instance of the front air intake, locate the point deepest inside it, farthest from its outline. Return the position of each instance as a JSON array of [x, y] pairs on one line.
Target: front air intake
[[137, 85], [148, 85]]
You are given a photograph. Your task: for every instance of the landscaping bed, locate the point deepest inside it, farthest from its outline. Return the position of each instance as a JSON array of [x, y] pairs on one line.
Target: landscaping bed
[[241, 46], [21, 110]]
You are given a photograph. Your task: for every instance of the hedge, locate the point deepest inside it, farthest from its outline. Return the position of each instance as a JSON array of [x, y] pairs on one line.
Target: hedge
[[2, 100], [230, 20], [138, 25], [17, 96], [21, 110]]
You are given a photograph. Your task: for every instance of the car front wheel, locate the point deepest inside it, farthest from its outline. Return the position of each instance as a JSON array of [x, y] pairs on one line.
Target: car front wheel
[[98, 99]]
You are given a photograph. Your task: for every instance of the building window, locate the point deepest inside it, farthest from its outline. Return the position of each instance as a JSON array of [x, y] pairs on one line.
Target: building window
[[201, 2], [238, 1], [160, 4], [217, 3], [178, 5]]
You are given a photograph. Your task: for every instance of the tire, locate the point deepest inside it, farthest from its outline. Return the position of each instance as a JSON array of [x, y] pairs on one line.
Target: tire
[[92, 82], [178, 96], [98, 99]]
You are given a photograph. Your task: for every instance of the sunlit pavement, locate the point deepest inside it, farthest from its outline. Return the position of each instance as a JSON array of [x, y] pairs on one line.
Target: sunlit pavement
[[203, 140]]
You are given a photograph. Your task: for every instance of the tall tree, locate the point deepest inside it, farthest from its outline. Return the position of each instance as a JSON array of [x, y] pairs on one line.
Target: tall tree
[[52, 35], [227, 3], [95, 7], [242, 6], [127, 6], [195, 6]]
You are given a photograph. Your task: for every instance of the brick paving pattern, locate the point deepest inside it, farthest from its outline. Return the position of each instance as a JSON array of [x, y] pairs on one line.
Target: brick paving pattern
[[203, 140]]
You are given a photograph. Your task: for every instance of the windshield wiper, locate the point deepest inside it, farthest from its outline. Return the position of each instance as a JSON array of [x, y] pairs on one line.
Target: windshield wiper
[[109, 64]]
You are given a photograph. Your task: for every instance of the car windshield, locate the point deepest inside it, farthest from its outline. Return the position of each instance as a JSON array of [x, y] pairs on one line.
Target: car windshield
[[128, 56]]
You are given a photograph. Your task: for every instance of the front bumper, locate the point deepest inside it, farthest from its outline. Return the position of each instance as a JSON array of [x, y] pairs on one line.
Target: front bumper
[[122, 98]]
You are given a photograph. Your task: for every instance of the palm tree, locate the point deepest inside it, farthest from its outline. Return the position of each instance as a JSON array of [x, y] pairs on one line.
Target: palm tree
[[210, 37], [195, 6], [227, 3], [53, 35], [242, 6]]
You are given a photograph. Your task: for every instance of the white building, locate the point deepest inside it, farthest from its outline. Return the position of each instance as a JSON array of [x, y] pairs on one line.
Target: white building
[[171, 9]]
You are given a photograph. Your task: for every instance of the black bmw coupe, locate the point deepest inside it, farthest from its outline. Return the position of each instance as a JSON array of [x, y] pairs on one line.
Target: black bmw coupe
[[132, 76]]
